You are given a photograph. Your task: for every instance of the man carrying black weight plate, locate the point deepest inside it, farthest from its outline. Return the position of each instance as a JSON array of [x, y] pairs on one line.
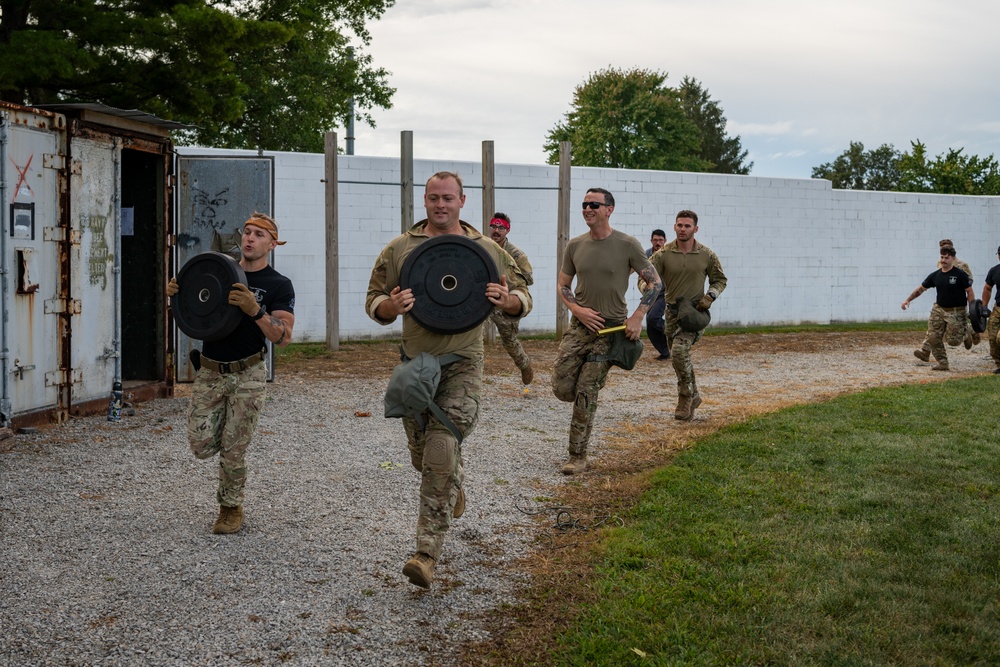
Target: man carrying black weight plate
[[230, 385], [436, 452]]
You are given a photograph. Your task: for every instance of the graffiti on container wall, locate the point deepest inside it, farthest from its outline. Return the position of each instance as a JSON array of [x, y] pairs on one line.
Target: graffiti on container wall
[[100, 253], [206, 214], [22, 179]]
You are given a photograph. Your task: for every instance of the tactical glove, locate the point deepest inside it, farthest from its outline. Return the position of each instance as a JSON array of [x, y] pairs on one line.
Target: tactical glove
[[173, 287], [704, 303], [242, 296]]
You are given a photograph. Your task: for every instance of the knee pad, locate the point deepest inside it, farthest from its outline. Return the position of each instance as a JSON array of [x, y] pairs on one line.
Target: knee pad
[[439, 453], [564, 391]]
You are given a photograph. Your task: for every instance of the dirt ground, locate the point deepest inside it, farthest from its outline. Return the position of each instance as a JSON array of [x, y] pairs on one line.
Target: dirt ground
[[377, 359], [744, 375]]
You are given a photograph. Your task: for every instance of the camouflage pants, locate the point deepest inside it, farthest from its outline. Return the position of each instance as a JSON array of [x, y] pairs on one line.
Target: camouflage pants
[[507, 327], [437, 454], [222, 418], [680, 352], [992, 331], [945, 325], [926, 344], [578, 381]]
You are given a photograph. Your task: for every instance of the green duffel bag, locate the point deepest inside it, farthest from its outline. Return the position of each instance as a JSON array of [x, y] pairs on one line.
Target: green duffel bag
[[690, 318], [412, 387], [623, 352]]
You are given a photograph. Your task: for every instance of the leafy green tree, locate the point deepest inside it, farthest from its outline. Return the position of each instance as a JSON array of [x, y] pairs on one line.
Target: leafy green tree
[[949, 173], [726, 154], [270, 74], [887, 169], [628, 120], [858, 169]]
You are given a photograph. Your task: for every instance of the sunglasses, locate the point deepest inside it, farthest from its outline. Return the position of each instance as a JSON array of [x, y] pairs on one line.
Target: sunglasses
[[592, 205]]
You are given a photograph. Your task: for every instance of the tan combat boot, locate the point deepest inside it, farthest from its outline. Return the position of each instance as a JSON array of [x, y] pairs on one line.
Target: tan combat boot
[[922, 355], [576, 464], [419, 570], [459, 509], [695, 402], [230, 520], [683, 411], [941, 366], [527, 374]]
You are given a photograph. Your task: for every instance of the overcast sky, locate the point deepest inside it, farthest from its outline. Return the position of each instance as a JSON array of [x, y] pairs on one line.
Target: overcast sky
[[797, 79]]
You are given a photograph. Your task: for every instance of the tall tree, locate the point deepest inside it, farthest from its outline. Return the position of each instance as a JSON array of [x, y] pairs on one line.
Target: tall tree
[[628, 119], [858, 169], [270, 74], [725, 153]]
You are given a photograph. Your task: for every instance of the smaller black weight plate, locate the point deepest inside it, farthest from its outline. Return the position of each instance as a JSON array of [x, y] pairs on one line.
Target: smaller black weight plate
[[448, 275], [979, 315], [201, 305]]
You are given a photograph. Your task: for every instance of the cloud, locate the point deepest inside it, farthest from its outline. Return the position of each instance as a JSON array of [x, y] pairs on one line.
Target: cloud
[[786, 155], [991, 127], [778, 128]]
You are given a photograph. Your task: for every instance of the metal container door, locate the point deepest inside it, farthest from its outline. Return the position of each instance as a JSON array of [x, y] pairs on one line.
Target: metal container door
[[94, 206], [30, 160], [215, 196]]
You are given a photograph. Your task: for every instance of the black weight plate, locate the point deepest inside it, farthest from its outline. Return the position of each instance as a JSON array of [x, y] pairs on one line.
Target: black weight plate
[[448, 275], [201, 305], [978, 315]]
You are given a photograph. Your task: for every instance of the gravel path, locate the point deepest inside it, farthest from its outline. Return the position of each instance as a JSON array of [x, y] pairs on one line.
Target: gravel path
[[108, 559]]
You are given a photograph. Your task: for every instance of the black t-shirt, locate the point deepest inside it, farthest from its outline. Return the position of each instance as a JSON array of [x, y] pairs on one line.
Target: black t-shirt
[[992, 279], [275, 292], [950, 287]]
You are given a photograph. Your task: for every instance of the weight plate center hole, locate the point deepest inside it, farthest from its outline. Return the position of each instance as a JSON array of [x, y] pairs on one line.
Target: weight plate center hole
[[204, 295], [449, 283]]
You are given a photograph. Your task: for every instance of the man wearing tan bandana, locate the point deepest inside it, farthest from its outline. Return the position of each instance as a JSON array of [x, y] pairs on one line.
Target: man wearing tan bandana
[[230, 385]]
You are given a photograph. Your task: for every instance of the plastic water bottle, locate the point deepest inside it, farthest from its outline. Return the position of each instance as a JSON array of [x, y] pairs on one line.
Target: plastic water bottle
[[115, 405]]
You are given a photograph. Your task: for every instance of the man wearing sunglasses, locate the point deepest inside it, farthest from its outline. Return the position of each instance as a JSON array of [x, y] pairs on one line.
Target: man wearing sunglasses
[[654, 318], [601, 260], [507, 327]]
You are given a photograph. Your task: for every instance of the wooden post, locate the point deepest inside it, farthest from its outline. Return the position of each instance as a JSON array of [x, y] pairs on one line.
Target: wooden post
[[406, 180], [489, 186], [332, 251], [562, 233], [489, 205]]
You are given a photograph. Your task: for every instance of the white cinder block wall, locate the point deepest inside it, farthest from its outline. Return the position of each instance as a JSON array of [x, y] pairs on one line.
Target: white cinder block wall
[[794, 250]]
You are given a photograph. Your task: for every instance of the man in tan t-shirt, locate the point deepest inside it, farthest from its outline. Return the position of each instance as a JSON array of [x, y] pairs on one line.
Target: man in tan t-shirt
[[601, 260]]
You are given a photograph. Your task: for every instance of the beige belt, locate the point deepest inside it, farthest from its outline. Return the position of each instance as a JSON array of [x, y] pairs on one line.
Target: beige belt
[[233, 366]]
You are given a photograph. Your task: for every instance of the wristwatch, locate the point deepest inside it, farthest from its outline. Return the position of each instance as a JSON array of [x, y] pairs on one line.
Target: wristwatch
[[712, 294], [260, 313]]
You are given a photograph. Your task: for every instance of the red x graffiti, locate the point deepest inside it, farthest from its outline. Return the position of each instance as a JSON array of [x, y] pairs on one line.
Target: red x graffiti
[[22, 176]]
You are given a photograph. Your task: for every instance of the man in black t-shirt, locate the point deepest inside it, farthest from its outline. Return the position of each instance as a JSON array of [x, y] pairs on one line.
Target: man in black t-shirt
[[993, 325], [229, 388], [948, 320]]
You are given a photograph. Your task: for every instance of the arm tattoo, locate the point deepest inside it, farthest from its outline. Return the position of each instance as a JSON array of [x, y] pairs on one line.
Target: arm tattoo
[[567, 294], [917, 292], [278, 323], [653, 286]]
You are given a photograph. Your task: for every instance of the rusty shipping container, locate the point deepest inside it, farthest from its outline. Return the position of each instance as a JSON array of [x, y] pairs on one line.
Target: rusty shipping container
[[85, 249]]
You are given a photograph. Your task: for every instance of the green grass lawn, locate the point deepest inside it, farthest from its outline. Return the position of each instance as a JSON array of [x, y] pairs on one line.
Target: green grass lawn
[[862, 531]]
